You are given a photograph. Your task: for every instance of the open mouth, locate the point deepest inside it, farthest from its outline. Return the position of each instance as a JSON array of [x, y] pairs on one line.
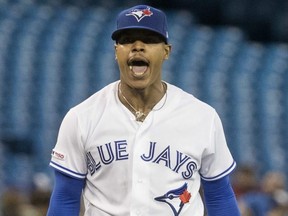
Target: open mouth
[[138, 66]]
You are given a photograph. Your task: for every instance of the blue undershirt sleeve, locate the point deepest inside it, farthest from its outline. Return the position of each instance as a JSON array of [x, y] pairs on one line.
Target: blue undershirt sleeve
[[219, 197], [66, 196]]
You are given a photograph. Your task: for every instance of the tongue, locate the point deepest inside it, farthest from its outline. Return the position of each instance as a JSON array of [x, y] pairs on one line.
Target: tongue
[[139, 69]]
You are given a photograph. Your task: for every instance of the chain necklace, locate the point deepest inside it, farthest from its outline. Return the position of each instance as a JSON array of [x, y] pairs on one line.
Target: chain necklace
[[140, 116]]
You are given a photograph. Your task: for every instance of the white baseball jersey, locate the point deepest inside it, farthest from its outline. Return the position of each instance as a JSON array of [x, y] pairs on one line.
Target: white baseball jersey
[[142, 168]]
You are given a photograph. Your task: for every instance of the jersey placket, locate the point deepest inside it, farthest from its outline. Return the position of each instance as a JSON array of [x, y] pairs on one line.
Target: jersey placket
[[140, 194]]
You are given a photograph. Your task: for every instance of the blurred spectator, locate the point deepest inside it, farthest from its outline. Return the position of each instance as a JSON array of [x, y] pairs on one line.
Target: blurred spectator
[[15, 202], [11, 203], [279, 211], [260, 197], [244, 209], [244, 180], [273, 184]]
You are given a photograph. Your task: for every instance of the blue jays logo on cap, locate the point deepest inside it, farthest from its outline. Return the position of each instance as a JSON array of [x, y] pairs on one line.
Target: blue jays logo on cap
[[142, 17], [139, 14]]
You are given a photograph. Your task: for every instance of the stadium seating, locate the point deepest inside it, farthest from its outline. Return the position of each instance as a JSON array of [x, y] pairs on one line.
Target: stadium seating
[[51, 58]]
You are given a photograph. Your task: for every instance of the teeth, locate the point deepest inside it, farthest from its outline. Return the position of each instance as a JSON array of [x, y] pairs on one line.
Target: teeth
[[130, 67]]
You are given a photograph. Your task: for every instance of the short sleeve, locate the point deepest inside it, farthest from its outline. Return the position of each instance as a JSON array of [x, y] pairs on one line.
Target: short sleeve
[[217, 160], [68, 155]]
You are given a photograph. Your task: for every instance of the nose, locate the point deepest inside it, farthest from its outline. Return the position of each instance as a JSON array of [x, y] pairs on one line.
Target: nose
[[138, 46]]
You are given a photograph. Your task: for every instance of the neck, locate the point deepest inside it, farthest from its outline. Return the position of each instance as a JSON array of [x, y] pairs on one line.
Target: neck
[[140, 102]]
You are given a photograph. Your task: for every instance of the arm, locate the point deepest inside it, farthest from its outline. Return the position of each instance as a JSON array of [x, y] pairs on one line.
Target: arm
[[219, 197], [66, 195]]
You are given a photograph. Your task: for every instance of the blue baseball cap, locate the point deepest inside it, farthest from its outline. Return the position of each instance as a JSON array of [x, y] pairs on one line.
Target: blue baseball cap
[[142, 17]]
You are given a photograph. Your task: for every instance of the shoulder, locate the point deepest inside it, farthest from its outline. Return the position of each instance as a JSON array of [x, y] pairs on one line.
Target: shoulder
[[98, 100], [94, 106], [185, 100]]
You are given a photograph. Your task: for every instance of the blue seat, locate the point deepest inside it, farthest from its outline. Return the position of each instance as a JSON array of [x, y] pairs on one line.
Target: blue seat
[[53, 58]]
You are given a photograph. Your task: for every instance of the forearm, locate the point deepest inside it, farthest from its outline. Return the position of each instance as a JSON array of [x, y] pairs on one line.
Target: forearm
[[66, 196], [219, 198]]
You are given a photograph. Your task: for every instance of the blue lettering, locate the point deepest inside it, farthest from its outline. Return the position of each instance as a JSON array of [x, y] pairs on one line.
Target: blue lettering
[[151, 152], [164, 156], [191, 166], [91, 164], [180, 161], [120, 148], [109, 154]]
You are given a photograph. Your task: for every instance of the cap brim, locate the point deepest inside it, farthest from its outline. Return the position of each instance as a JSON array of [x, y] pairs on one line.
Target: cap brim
[[116, 34]]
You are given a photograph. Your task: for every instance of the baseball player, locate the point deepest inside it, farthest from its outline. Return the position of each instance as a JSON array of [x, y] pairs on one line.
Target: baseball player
[[141, 146]]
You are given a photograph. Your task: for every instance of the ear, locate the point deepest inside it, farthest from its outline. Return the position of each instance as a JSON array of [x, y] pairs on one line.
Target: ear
[[115, 49], [167, 51]]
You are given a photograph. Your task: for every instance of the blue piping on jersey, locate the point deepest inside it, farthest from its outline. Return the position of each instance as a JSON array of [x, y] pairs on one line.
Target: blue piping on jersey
[[226, 172], [69, 172]]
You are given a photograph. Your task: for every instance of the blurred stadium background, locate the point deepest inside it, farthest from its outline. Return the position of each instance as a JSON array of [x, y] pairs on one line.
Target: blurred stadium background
[[53, 54]]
